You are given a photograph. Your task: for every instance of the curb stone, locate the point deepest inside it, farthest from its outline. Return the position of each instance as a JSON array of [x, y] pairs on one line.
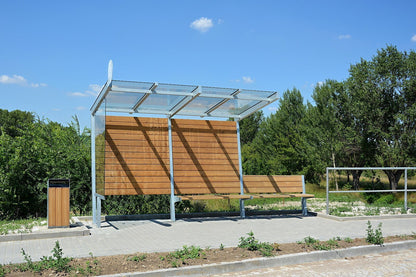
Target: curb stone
[[373, 217], [57, 233], [258, 263]]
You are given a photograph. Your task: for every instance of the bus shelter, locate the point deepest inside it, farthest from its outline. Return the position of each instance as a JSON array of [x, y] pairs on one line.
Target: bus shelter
[[155, 138]]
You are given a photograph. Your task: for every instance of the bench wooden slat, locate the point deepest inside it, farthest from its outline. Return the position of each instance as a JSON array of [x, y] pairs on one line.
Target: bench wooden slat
[[303, 195], [213, 196], [270, 195]]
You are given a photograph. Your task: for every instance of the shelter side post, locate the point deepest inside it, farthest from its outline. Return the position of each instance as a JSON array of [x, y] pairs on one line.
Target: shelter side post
[[93, 180], [240, 168], [172, 181]]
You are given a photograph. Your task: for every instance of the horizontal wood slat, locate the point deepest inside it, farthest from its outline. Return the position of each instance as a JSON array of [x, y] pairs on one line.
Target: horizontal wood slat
[[205, 156], [272, 184], [277, 178]]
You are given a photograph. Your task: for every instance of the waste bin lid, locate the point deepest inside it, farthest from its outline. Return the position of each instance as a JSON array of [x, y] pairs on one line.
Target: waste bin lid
[[58, 183]]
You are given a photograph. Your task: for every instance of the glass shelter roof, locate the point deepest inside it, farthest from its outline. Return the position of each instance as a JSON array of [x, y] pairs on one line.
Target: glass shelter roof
[[180, 100]]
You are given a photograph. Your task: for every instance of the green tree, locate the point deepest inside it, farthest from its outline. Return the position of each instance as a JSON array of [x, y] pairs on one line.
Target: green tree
[[324, 129], [42, 150], [14, 122], [249, 127], [383, 92], [279, 146]]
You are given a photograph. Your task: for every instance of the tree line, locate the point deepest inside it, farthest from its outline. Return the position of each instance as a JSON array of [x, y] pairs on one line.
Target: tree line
[[366, 120]]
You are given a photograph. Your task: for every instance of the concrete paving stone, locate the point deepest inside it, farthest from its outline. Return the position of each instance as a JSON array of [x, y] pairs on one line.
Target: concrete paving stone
[[127, 237]]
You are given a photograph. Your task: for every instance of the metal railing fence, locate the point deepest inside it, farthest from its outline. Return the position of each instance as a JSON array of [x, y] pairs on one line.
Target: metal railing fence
[[405, 190]]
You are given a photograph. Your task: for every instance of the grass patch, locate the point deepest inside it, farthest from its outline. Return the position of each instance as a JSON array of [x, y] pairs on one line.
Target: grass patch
[[20, 226]]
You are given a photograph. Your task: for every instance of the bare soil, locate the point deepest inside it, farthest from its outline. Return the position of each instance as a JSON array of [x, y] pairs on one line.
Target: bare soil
[[152, 261]]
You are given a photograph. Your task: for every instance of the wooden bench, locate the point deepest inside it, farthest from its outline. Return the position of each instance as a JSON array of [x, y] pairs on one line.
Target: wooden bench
[[277, 186], [264, 186]]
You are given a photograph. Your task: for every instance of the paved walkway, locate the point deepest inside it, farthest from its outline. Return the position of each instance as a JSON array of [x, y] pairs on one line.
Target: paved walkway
[[402, 263], [127, 237]]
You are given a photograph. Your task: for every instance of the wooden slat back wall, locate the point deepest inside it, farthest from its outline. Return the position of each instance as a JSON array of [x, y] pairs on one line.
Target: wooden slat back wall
[[136, 156], [205, 156], [272, 184]]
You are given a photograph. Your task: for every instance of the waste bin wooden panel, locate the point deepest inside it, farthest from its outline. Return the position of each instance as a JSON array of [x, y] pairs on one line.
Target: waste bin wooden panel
[[58, 206]]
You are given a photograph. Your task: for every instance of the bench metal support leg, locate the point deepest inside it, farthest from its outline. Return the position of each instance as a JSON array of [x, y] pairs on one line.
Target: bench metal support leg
[[98, 216], [304, 208], [242, 209]]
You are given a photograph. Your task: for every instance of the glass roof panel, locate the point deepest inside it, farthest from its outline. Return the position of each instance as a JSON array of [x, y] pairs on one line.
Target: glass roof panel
[[122, 100], [120, 85], [181, 100], [174, 88], [234, 107], [160, 102], [217, 91], [255, 93], [200, 105]]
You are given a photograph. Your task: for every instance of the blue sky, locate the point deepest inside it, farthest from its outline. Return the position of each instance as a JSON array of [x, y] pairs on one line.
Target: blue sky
[[54, 55]]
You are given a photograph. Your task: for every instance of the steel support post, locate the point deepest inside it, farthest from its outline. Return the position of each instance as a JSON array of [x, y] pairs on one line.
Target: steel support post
[[172, 181], [93, 180], [240, 168], [327, 191], [405, 190]]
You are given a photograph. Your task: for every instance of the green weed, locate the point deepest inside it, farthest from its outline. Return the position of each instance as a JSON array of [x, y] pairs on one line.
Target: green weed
[[252, 244], [187, 252], [56, 262], [374, 236], [348, 240], [139, 258]]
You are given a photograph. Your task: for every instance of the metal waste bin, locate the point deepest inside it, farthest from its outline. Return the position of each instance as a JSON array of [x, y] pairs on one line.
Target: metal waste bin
[[58, 203]]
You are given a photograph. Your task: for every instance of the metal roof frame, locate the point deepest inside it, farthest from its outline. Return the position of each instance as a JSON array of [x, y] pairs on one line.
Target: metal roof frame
[[180, 100]]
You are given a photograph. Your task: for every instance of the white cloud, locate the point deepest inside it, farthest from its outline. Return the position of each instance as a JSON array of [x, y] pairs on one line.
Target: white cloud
[[93, 90], [78, 94], [15, 79], [202, 24], [81, 108], [346, 36], [248, 80], [19, 80], [272, 108], [413, 38], [220, 21], [319, 84]]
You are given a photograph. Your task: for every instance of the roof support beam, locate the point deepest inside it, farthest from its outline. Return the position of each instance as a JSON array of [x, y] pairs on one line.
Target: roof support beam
[[259, 106], [184, 102], [222, 102], [103, 94], [141, 100]]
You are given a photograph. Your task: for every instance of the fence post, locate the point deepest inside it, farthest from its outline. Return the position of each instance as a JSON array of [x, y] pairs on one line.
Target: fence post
[[405, 189], [327, 190]]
